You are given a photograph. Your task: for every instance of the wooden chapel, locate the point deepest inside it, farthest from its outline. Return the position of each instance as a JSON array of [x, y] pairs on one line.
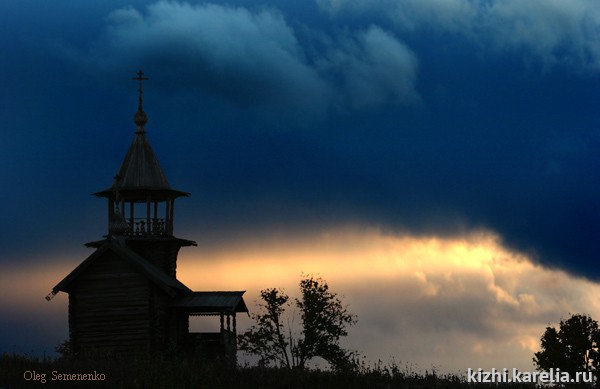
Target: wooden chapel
[[125, 299]]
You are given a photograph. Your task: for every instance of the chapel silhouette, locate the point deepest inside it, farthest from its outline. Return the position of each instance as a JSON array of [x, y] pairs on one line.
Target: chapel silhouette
[[125, 298]]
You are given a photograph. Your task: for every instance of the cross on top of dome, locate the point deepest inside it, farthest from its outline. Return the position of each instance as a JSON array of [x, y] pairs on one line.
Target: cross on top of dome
[[140, 118]]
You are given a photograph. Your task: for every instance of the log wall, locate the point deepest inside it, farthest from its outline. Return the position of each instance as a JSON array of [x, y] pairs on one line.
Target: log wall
[[110, 309]]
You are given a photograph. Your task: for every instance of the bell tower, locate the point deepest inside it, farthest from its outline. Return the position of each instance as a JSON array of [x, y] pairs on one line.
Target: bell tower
[[141, 203], [125, 298]]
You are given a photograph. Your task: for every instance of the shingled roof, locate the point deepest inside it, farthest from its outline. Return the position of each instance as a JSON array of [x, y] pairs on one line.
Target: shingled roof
[[140, 168], [141, 171]]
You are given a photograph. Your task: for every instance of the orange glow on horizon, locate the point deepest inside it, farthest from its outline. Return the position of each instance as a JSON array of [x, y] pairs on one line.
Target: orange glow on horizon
[[404, 281], [346, 256], [469, 297]]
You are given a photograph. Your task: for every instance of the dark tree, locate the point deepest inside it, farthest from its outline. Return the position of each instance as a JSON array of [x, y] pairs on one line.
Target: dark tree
[[323, 321], [573, 348]]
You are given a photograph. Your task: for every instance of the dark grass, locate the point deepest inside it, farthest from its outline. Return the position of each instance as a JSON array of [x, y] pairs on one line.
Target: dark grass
[[195, 373]]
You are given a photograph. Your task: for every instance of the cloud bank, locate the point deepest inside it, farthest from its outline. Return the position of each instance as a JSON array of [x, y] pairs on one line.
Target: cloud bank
[[433, 302]]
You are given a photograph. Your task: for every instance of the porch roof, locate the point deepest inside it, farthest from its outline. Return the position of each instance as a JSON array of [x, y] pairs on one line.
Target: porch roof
[[211, 302]]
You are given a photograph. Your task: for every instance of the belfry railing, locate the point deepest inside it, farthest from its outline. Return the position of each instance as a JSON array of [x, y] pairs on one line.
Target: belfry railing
[[141, 227]]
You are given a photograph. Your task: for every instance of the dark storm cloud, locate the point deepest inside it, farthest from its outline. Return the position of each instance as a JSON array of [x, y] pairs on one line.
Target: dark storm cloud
[[255, 57], [433, 133], [515, 154], [250, 57], [553, 32], [375, 68], [521, 160]]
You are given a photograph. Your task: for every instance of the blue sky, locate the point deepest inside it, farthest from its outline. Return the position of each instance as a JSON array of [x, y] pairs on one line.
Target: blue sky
[[428, 118]]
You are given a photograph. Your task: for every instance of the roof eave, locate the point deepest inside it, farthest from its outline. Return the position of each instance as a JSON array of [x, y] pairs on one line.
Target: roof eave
[[161, 193]]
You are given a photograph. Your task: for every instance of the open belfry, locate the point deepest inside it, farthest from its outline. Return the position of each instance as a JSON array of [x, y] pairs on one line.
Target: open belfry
[[125, 299]]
